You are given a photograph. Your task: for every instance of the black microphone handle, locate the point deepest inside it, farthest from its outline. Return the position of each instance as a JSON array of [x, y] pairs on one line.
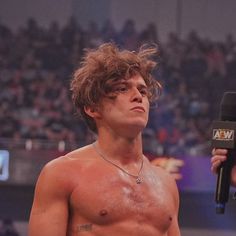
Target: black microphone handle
[[223, 182]]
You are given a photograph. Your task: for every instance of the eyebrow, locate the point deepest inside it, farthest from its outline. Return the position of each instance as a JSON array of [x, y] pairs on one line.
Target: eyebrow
[[140, 85]]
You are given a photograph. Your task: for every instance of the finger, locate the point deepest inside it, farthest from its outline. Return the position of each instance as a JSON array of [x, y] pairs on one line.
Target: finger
[[213, 151], [215, 166], [218, 158], [219, 151]]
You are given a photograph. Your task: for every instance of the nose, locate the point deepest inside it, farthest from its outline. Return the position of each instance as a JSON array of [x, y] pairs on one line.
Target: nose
[[136, 96]]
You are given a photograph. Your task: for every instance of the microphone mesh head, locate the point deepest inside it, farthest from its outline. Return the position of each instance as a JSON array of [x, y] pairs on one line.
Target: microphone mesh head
[[228, 107]]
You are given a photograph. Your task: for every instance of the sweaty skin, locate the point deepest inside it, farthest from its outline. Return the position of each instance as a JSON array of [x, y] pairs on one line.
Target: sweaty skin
[[81, 194], [102, 200]]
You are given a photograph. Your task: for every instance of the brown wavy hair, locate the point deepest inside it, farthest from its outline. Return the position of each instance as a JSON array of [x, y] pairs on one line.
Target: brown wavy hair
[[101, 68]]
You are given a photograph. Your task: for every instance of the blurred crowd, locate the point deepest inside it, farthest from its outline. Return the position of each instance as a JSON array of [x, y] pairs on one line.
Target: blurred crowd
[[7, 228], [36, 65]]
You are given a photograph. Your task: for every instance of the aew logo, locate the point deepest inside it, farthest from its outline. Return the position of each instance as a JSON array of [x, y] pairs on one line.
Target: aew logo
[[223, 134]]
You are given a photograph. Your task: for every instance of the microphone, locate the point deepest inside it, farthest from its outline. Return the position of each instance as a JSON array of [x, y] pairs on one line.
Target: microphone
[[223, 136]]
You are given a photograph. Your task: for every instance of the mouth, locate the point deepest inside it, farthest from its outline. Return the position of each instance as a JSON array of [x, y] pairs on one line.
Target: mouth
[[138, 108]]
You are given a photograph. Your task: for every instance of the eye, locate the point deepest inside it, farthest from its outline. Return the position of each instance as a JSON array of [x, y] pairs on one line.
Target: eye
[[143, 91], [121, 88]]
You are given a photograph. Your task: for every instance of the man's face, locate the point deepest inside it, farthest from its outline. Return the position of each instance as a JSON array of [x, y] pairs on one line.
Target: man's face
[[127, 114]]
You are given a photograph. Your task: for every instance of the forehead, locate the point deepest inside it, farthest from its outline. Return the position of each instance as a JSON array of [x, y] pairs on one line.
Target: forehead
[[136, 80]]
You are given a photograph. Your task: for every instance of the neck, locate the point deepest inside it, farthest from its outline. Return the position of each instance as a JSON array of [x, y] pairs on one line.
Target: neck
[[122, 149]]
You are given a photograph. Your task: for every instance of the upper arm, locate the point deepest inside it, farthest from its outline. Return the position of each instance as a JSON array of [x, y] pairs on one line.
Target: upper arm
[[49, 213], [174, 227]]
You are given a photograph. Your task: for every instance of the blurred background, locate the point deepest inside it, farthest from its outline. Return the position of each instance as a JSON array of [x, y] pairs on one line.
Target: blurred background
[[42, 42]]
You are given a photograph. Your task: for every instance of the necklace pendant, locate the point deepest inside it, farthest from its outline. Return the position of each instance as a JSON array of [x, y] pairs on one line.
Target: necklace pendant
[[138, 180]]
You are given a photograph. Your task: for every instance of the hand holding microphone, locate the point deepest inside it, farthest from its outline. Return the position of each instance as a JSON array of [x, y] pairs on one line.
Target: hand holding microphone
[[223, 139], [219, 156]]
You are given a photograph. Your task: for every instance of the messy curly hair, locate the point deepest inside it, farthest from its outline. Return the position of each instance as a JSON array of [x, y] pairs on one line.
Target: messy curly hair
[[101, 68]]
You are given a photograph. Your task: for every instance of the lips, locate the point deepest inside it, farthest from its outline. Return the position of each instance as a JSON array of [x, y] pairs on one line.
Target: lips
[[138, 108]]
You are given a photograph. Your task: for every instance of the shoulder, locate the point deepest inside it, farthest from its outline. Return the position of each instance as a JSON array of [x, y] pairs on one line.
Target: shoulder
[[62, 170], [78, 157]]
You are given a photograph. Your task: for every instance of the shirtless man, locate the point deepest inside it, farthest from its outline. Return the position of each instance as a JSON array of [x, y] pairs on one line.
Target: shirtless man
[[108, 188]]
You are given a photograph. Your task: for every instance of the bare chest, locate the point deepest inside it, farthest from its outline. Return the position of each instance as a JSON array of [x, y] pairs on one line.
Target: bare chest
[[106, 199]]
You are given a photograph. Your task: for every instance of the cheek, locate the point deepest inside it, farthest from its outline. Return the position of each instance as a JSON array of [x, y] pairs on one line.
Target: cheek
[[106, 107], [147, 105], [111, 111]]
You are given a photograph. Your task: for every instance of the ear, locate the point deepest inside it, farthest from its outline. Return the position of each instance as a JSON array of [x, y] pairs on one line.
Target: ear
[[92, 112]]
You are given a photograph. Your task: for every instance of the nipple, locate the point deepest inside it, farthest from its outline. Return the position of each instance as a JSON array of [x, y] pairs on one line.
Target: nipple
[[103, 212]]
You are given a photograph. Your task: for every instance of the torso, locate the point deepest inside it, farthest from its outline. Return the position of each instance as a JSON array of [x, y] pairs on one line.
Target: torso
[[105, 201]]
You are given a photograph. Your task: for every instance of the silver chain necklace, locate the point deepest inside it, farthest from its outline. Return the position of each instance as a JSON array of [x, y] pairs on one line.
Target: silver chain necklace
[[137, 177]]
